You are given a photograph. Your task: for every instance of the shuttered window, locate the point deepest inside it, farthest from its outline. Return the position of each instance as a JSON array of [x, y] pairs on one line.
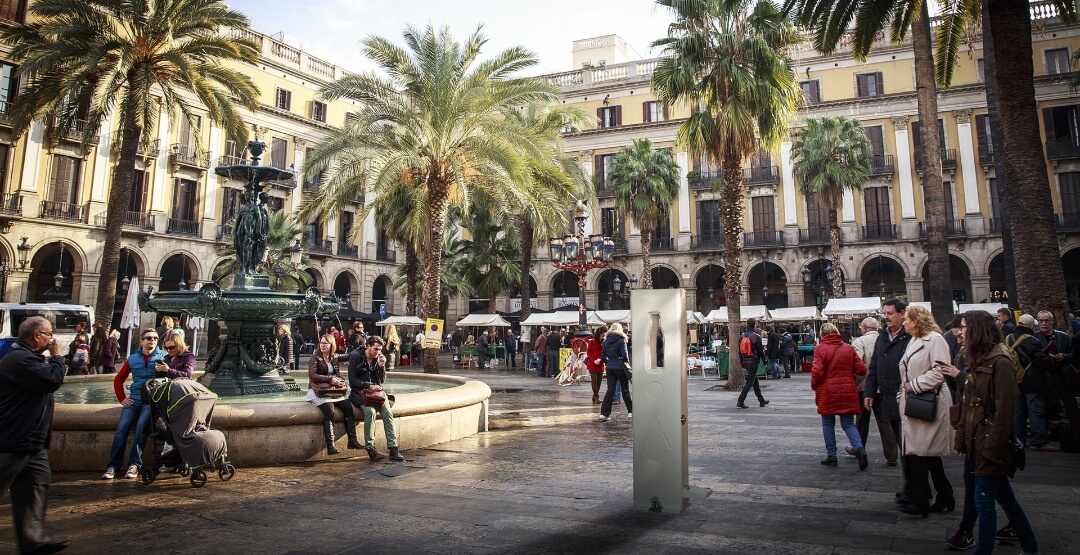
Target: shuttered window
[[877, 141], [1057, 61], [653, 112], [63, 185], [1069, 183], [185, 195], [279, 149], [878, 211], [283, 99], [950, 205], [763, 211], [995, 199], [869, 84], [140, 187], [230, 204], [608, 222], [817, 217], [609, 116], [709, 220], [811, 91], [983, 135]]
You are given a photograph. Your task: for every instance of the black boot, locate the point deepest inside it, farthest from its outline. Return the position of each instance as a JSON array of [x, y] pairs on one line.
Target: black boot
[[353, 443], [328, 435]]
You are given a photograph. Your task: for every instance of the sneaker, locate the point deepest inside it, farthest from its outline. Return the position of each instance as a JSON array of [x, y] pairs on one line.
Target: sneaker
[[604, 418], [132, 471], [110, 473], [960, 540], [630, 415], [1046, 447], [1006, 532]]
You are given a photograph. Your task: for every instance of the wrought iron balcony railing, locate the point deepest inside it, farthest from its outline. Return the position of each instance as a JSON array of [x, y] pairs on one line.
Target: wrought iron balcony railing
[[761, 174], [64, 211], [948, 159], [953, 228], [712, 241], [763, 239], [815, 236], [344, 249], [320, 246], [188, 155], [137, 220], [879, 231], [1068, 221], [385, 255], [662, 244], [704, 179], [183, 227], [1063, 149], [10, 203], [882, 165]]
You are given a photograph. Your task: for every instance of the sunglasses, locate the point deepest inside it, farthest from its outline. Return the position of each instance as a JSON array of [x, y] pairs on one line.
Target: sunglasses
[[169, 347], [150, 338]]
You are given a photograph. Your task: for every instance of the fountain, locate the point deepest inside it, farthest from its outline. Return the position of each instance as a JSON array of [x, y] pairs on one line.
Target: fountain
[[246, 361]]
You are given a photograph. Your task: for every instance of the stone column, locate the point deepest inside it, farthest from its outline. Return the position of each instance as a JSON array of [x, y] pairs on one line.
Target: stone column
[[967, 162], [299, 157], [904, 167], [28, 187], [682, 240], [211, 187], [161, 172], [787, 177]]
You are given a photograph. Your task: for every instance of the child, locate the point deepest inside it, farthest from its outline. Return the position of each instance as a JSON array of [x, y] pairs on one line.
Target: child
[[80, 359]]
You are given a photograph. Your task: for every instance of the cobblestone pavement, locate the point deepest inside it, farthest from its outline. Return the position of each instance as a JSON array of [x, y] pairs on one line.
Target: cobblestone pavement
[[549, 478]]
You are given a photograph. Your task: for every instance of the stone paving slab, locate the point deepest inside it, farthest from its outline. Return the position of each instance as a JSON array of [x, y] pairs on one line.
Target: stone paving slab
[[549, 478]]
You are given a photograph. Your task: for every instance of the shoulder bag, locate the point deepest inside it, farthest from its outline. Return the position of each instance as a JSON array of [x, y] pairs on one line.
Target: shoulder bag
[[920, 405], [373, 396]]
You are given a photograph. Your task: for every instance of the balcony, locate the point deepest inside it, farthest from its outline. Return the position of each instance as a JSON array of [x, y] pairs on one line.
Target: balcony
[[386, 255], [351, 251], [10, 203], [711, 241], [63, 211], [703, 180], [183, 227], [662, 244], [313, 183], [288, 184], [188, 155], [74, 134], [815, 236], [621, 247], [604, 190], [5, 115], [1068, 221], [986, 155], [142, 151], [320, 247], [225, 232], [882, 165], [756, 239], [760, 175], [135, 220], [231, 161], [1063, 149], [953, 228], [948, 159], [879, 232]]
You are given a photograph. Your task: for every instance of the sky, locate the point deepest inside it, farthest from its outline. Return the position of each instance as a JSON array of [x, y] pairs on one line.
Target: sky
[[332, 29]]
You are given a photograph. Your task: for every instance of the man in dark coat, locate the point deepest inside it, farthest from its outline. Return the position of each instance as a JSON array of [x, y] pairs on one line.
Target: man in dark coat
[[883, 379], [482, 345], [27, 383], [1030, 416], [772, 351], [511, 347], [750, 365], [554, 343], [1062, 376], [1005, 322]]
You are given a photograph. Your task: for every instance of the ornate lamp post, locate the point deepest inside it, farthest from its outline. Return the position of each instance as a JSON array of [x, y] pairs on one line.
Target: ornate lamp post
[[617, 287], [579, 254], [819, 284]]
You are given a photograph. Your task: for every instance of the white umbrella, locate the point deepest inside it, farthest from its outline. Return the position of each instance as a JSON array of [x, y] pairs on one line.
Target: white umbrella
[[130, 319]]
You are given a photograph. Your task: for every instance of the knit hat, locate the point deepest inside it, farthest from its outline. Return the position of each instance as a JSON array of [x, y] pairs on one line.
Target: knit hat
[[1028, 321]]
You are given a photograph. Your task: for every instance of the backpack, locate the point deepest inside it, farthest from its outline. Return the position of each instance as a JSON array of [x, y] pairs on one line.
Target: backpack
[[785, 341], [746, 347], [1014, 356], [81, 356]]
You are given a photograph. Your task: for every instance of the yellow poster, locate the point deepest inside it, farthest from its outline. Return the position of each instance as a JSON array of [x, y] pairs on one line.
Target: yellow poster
[[433, 332], [564, 354]]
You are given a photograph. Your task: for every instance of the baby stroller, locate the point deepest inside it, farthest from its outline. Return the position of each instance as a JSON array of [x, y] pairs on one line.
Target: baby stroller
[[180, 412]]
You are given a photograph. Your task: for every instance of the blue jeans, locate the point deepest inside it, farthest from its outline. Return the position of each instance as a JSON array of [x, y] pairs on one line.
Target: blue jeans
[[138, 414], [828, 429], [1030, 407], [541, 364], [774, 367], [991, 489], [618, 391]]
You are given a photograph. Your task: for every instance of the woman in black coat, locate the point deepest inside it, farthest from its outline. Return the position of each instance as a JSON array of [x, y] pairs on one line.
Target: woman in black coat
[[616, 358]]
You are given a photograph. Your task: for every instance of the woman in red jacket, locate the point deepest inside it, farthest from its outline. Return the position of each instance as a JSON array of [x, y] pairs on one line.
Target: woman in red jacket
[[833, 382], [595, 364]]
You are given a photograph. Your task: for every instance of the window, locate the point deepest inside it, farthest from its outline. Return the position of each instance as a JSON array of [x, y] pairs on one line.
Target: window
[[345, 226], [13, 10], [763, 211], [64, 184], [1069, 183], [950, 206], [609, 116], [140, 188], [601, 166], [279, 153], [868, 84], [318, 111], [4, 151], [995, 199], [230, 204], [811, 91], [817, 217], [188, 131], [274, 204], [231, 155], [314, 234], [609, 222], [708, 214], [184, 197], [653, 112], [1057, 61], [1062, 125], [878, 212], [980, 70], [283, 99], [663, 228], [9, 86]]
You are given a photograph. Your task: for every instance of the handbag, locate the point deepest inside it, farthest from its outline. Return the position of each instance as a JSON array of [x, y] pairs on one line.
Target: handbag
[[954, 416], [629, 372], [373, 396], [921, 405], [330, 390]]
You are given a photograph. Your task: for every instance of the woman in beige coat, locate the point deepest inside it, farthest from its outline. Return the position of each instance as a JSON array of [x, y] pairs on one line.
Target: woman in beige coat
[[925, 441]]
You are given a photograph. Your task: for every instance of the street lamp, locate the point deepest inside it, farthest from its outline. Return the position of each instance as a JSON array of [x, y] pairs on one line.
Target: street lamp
[[881, 275], [811, 282], [579, 254], [58, 279], [617, 286], [765, 294], [24, 252], [124, 283]]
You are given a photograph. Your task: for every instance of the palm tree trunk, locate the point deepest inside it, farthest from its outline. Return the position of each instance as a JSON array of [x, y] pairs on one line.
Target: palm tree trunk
[[1040, 281], [731, 220], [119, 197], [433, 251], [937, 246], [646, 260], [492, 297], [412, 271], [524, 290], [838, 290], [998, 143]]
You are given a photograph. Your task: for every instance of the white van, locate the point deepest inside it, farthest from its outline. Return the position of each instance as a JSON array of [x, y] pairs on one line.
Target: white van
[[64, 318]]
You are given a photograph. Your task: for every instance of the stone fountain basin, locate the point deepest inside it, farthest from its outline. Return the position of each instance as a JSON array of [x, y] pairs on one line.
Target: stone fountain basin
[[275, 432]]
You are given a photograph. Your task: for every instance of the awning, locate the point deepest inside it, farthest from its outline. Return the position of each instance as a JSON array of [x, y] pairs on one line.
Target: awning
[[855, 306], [483, 320], [402, 321], [720, 315], [992, 308], [611, 316], [562, 318], [926, 305], [794, 314]]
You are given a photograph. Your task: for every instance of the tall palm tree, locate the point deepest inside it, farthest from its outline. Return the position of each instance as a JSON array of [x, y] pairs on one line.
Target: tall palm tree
[[554, 180], [646, 183], [727, 59], [84, 59], [493, 252], [434, 121], [830, 21], [830, 157], [452, 281], [284, 274]]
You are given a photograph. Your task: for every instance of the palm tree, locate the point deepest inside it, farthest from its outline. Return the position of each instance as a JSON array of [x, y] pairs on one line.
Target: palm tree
[[284, 274], [831, 157], [492, 253], [436, 122], [400, 213], [727, 59], [452, 281], [553, 181], [646, 182], [83, 59]]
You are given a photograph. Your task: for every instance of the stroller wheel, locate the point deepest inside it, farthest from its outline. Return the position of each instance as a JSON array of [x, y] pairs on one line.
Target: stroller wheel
[[198, 479], [226, 472], [185, 471], [149, 474]]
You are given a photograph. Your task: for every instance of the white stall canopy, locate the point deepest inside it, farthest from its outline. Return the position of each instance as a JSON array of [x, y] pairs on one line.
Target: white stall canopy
[[483, 320], [795, 314], [612, 316], [992, 308], [857, 306], [402, 321], [720, 316]]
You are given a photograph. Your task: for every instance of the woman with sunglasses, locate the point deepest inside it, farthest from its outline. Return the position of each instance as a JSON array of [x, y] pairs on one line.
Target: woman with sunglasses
[[179, 361], [141, 366]]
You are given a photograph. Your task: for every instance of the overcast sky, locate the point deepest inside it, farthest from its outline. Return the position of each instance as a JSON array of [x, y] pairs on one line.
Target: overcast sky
[[332, 29]]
